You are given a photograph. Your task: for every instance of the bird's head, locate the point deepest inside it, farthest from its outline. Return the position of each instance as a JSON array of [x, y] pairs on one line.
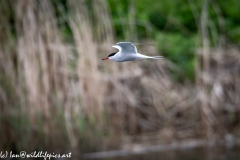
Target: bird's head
[[110, 56]]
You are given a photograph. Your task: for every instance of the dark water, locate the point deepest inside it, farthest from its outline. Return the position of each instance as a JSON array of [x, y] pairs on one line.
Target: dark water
[[210, 153]]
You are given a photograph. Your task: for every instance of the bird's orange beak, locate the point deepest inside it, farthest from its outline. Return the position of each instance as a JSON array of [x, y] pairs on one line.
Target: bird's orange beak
[[105, 58]]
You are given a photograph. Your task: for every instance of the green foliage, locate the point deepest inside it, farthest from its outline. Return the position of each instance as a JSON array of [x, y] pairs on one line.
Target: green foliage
[[180, 50], [157, 20]]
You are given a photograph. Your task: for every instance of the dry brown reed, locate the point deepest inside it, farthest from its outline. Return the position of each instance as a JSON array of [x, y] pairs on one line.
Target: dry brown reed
[[56, 95]]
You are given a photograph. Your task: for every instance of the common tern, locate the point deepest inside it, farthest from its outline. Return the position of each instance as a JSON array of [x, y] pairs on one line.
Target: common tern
[[128, 52]]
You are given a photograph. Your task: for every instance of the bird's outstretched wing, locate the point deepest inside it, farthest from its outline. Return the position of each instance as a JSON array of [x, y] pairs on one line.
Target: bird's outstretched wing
[[126, 47]]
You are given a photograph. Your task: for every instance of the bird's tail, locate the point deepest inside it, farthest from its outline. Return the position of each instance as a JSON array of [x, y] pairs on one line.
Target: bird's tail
[[157, 57], [141, 56]]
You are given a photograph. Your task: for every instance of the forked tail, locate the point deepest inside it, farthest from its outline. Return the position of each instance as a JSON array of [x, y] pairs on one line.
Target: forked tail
[[141, 56], [157, 57]]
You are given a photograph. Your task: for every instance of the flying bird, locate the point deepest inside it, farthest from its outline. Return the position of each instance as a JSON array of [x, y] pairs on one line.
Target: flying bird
[[128, 52]]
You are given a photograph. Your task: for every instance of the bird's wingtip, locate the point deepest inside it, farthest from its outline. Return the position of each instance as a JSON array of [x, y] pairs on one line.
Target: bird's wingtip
[[122, 42], [144, 44]]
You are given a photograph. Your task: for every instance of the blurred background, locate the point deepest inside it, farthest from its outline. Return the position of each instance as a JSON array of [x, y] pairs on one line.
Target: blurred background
[[56, 94]]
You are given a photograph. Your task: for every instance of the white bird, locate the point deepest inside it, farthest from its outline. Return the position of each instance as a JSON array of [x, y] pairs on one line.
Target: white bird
[[128, 52]]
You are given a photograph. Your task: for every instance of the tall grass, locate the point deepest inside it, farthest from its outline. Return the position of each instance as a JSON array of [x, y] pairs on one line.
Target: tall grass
[[56, 93]]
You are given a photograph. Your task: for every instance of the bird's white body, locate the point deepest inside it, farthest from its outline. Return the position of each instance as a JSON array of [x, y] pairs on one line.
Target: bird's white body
[[128, 52]]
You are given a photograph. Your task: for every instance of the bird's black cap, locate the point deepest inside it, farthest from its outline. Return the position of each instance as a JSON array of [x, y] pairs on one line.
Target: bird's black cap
[[112, 54]]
